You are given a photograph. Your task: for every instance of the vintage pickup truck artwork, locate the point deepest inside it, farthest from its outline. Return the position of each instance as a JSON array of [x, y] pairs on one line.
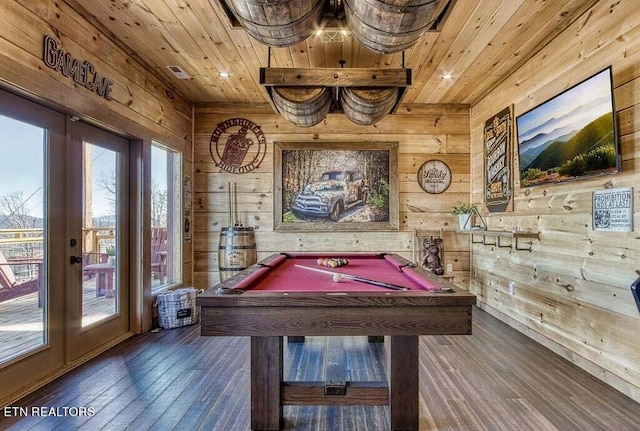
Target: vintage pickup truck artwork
[[335, 192], [335, 187]]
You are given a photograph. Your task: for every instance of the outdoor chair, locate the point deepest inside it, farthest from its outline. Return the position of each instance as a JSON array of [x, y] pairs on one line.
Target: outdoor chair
[[10, 287], [159, 253]]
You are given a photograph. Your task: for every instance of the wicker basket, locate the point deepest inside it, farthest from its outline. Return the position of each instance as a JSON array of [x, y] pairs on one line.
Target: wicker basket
[[177, 308]]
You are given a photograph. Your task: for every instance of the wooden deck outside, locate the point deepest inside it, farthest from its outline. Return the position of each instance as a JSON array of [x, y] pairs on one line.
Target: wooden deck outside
[[21, 320], [494, 380]]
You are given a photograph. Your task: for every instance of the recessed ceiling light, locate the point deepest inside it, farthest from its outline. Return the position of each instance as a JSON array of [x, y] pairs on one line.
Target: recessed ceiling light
[[224, 74], [447, 76]]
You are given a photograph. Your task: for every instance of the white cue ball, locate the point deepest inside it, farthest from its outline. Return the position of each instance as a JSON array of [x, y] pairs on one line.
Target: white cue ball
[[337, 277]]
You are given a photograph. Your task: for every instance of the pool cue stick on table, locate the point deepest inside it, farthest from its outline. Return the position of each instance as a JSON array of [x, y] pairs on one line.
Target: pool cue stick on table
[[355, 278]]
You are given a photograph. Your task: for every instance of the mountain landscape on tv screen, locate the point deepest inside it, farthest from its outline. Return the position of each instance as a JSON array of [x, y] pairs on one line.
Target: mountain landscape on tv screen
[[542, 142], [569, 136], [589, 151]]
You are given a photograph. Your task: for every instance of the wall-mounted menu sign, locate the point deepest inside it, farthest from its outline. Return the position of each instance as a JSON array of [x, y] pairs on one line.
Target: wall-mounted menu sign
[[497, 157], [613, 210], [83, 72]]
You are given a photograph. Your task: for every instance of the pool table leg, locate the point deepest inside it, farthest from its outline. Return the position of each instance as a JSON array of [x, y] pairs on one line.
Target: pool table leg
[[266, 383], [402, 367]]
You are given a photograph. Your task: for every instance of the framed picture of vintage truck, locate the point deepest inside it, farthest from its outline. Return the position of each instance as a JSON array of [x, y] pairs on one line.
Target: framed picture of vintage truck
[[335, 186]]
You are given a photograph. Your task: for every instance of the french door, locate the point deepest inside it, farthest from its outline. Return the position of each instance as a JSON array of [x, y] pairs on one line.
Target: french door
[[32, 238], [97, 228], [64, 242]]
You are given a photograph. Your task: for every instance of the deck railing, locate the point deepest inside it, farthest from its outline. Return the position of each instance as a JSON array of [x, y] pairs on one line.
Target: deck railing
[[22, 244], [23, 248]]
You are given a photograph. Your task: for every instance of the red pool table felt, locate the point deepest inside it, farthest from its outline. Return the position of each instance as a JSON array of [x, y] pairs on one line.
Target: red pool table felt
[[282, 275]]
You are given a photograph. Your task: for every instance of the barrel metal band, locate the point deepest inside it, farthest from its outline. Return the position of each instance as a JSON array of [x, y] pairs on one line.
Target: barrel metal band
[[236, 247]]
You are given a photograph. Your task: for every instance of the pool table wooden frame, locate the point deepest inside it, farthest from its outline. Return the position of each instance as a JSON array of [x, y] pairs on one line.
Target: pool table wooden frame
[[268, 316]]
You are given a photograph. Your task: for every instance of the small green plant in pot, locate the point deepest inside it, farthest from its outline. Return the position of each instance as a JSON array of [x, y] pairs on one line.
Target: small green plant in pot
[[464, 211]]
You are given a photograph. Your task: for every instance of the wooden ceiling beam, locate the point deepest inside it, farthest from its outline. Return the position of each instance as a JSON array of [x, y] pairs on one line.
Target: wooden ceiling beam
[[334, 77]]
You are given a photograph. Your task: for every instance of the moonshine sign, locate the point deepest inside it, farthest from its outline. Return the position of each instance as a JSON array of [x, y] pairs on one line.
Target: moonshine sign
[[237, 146], [497, 155], [613, 210], [83, 72]]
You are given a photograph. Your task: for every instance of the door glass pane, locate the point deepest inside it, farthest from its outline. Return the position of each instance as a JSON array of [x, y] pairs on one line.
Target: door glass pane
[[23, 284], [99, 231], [166, 217]]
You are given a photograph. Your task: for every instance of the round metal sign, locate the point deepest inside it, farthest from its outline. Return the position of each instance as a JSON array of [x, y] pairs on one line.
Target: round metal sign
[[434, 176], [237, 146]]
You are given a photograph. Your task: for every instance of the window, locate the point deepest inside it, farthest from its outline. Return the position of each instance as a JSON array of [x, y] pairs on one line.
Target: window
[[100, 197], [23, 233], [166, 217]]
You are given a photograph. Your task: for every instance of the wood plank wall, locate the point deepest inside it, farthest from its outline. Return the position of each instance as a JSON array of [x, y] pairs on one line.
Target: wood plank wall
[[572, 291], [141, 108], [423, 132]]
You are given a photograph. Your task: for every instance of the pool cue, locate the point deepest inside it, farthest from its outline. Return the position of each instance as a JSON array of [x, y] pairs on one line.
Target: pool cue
[[356, 278], [235, 205], [230, 206]]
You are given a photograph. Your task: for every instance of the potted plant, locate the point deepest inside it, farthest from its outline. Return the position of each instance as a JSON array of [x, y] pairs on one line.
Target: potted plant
[[110, 250], [464, 211]]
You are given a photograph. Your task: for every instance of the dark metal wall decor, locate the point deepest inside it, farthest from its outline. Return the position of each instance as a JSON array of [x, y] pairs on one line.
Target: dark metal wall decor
[[497, 160], [434, 176], [237, 146], [83, 72]]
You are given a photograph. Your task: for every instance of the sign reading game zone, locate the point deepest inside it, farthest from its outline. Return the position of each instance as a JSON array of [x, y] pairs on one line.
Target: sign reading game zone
[[613, 210]]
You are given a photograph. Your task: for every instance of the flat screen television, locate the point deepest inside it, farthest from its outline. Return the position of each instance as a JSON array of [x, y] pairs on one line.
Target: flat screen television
[[571, 136]]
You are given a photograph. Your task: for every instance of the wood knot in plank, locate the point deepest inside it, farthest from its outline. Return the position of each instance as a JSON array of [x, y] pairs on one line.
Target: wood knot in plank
[[413, 209]]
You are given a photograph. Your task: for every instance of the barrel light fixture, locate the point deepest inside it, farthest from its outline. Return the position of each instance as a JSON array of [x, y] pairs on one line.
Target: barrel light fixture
[[306, 96], [279, 23], [365, 96], [383, 26]]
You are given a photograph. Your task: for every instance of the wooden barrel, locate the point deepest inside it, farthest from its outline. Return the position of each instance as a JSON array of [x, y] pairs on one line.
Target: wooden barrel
[[278, 22], [236, 251], [366, 106], [303, 106], [391, 25]]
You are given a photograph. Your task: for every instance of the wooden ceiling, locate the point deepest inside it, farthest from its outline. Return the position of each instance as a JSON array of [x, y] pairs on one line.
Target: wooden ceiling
[[480, 43]]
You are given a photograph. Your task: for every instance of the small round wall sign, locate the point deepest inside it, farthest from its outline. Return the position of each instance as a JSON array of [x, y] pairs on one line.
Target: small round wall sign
[[237, 146], [434, 176]]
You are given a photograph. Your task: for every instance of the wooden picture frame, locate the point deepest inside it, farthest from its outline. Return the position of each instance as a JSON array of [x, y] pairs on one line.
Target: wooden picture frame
[[335, 186]]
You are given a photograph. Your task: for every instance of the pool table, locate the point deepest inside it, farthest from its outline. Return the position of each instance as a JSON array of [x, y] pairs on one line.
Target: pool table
[[281, 296]]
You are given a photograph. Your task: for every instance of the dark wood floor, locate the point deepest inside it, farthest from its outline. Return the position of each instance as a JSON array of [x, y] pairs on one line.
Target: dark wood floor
[[496, 379]]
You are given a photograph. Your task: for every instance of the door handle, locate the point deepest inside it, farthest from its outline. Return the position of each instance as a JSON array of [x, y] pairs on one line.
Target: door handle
[[75, 259]]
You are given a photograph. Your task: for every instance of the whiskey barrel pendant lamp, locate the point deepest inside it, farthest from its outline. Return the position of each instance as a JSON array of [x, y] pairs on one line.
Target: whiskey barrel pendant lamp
[[304, 96]]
